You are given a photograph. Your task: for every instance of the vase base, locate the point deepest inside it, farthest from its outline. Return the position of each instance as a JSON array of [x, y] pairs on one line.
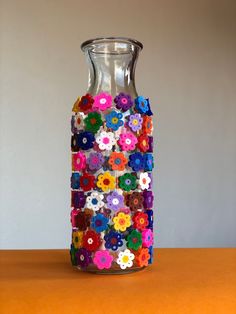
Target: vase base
[[111, 271]]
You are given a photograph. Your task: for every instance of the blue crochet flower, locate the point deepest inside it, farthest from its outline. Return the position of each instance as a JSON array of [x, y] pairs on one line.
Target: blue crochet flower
[[113, 240], [136, 161], [85, 140], [149, 112], [75, 180], [151, 255], [99, 222], [113, 120], [148, 162], [150, 218], [141, 104]]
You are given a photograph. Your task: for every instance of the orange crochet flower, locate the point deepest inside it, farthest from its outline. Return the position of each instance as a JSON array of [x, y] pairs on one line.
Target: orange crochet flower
[[143, 143], [117, 161], [140, 220], [142, 257], [147, 125]]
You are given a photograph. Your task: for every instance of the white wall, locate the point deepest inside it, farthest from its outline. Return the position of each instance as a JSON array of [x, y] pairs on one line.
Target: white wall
[[187, 68]]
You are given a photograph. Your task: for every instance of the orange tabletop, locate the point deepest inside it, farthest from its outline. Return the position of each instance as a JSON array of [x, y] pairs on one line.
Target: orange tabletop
[[180, 281]]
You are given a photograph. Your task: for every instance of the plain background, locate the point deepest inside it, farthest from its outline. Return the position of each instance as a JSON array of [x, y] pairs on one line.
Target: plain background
[[188, 70]]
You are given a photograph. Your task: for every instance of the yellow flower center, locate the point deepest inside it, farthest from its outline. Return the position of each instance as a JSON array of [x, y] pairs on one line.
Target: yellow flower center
[[135, 122], [141, 220], [125, 259], [114, 120]]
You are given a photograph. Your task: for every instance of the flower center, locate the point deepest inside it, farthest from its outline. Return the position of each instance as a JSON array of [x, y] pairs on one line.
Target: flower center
[[106, 140], [135, 121], [143, 257], [135, 201], [144, 181], [128, 141], [98, 223], [94, 201], [90, 241], [93, 121], [124, 100], [137, 161], [144, 142], [141, 221], [113, 241], [82, 257], [95, 160], [78, 120], [85, 181], [106, 181], [103, 101], [135, 240], [115, 201], [127, 181], [117, 161], [85, 140], [125, 259], [121, 221], [114, 120]]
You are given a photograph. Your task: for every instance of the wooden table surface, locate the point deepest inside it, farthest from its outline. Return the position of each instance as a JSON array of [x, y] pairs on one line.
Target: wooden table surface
[[180, 281]]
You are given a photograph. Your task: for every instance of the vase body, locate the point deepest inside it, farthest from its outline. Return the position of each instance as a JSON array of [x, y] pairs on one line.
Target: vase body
[[112, 162]]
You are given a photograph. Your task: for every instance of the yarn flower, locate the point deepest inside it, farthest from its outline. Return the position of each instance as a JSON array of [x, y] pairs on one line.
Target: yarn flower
[[103, 259], [95, 160], [125, 259], [135, 201], [93, 121], [113, 120], [77, 199], [117, 161], [148, 199], [86, 103], [78, 161], [149, 212], [123, 102], [136, 161], [82, 220], [95, 201], [142, 257], [150, 144], [143, 143], [121, 221], [83, 140], [76, 123], [77, 238], [76, 105], [148, 162], [127, 182], [105, 140], [141, 104], [83, 257], [144, 180], [147, 125], [113, 240], [140, 220], [135, 122], [149, 112], [115, 201], [73, 258], [134, 240], [147, 237], [91, 240], [102, 101], [127, 141], [99, 222], [106, 181], [74, 180], [87, 182]]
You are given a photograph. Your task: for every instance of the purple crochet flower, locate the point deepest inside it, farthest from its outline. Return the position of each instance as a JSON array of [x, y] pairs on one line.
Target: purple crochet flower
[[95, 161], [150, 143], [135, 122], [115, 201], [123, 102], [83, 257], [78, 199], [148, 199]]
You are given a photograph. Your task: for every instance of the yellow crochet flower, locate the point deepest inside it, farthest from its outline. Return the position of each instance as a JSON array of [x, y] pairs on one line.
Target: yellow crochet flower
[[106, 181], [77, 238], [122, 222], [76, 106]]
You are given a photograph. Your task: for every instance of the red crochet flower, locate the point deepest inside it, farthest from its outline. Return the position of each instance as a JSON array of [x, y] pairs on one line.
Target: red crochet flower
[[143, 143], [134, 201], [140, 221], [91, 240], [86, 103], [87, 182], [82, 221]]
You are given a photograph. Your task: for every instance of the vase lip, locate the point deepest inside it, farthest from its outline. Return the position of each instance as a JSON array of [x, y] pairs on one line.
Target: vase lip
[[102, 40]]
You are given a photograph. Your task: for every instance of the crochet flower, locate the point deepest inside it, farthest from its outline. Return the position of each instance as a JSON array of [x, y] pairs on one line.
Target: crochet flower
[[73, 252], [150, 144], [91, 240], [74, 180], [86, 103], [135, 122], [99, 222], [83, 257], [125, 259], [113, 120], [84, 140], [77, 199], [102, 101], [87, 182], [140, 220], [95, 160], [127, 141], [76, 105], [147, 237], [78, 161], [148, 199], [82, 221], [76, 123], [105, 140], [106, 181], [117, 161], [147, 125], [135, 201], [143, 143], [134, 240], [77, 238], [113, 240], [93, 121], [141, 104], [127, 182], [136, 161], [148, 162], [143, 257], [149, 112], [144, 180], [95, 201], [103, 259], [121, 221], [73, 215], [115, 201], [149, 212], [123, 102]]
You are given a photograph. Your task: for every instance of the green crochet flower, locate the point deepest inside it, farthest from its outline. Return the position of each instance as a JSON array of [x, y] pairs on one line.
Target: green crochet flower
[[134, 240], [127, 182], [73, 251], [93, 121]]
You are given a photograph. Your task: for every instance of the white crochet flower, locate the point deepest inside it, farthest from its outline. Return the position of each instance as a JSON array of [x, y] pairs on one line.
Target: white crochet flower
[[144, 180], [105, 140], [125, 259], [94, 201], [78, 120]]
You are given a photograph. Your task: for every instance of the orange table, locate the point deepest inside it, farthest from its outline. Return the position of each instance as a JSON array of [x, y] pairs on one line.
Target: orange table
[[180, 281]]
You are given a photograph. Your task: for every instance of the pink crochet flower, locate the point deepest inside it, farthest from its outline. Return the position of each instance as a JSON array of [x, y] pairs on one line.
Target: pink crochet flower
[[103, 259], [102, 101], [147, 237], [127, 141], [78, 161]]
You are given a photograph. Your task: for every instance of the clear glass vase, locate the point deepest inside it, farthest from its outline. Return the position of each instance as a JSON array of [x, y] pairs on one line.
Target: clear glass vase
[[112, 145]]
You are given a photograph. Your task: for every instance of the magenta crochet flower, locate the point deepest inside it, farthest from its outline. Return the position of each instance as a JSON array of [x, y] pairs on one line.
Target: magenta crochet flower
[[127, 141], [123, 102], [115, 201], [103, 259], [95, 161], [102, 101], [135, 122], [147, 237], [78, 161]]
